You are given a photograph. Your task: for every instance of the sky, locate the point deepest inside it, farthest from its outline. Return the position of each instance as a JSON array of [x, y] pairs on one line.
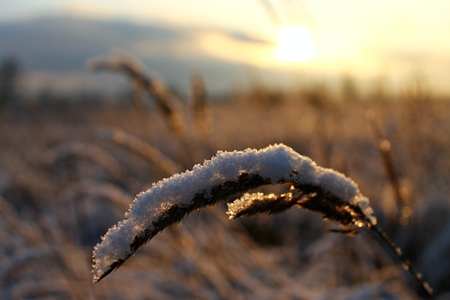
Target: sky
[[364, 39]]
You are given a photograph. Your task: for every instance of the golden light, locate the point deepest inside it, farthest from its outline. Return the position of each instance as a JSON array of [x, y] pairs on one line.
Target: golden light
[[295, 44]]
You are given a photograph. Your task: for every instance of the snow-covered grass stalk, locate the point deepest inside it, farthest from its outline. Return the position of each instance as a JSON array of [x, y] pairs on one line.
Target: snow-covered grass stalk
[[229, 174]]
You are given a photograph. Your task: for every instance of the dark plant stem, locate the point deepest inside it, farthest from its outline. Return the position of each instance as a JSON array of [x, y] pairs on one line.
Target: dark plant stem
[[407, 266]]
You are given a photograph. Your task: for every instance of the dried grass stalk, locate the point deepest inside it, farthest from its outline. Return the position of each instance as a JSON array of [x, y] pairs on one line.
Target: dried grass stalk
[[93, 190], [17, 261], [167, 103], [384, 147], [199, 104], [93, 152], [141, 148]]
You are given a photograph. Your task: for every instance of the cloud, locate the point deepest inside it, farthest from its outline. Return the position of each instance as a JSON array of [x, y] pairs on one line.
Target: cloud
[[54, 50], [66, 43]]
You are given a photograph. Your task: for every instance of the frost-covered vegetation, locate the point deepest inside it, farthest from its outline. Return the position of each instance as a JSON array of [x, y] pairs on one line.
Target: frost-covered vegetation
[[226, 175], [68, 174]]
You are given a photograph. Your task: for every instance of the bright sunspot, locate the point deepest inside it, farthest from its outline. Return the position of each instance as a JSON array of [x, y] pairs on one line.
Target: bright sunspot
[[295, 44]]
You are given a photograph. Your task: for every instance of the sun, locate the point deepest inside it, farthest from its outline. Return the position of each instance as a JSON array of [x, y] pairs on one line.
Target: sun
[[295, 44]]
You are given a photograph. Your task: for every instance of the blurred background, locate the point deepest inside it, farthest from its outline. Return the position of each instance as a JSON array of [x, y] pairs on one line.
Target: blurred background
[[99, 99], [283, 40]]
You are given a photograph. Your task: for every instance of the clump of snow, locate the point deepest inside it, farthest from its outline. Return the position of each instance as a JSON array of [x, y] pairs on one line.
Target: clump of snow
[[275, 163]]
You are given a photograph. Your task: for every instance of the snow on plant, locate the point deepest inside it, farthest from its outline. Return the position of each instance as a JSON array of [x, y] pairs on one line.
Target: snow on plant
[[225, 175], [229, 174]]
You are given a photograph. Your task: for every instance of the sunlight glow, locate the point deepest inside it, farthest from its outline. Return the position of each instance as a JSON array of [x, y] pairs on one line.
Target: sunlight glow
[[295, 44]]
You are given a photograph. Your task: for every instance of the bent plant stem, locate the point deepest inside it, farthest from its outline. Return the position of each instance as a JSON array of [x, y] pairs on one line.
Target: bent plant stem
[[314, 188], [407, 266]]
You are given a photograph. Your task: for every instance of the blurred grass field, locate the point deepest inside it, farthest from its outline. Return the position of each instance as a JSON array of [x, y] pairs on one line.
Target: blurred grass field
[[62, 185]]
